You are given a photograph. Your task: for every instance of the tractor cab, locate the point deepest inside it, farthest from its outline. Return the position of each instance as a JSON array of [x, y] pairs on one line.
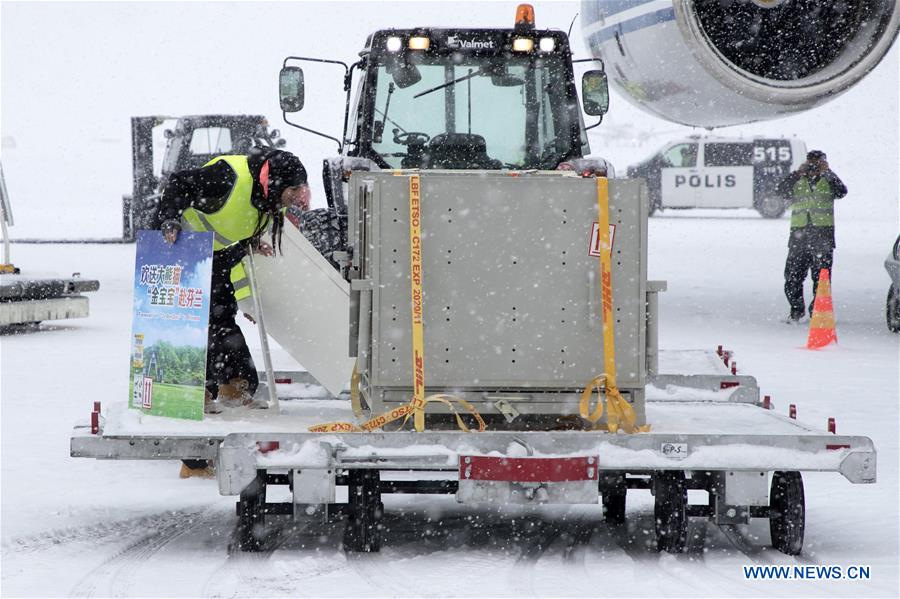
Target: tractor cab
[[460, 99]]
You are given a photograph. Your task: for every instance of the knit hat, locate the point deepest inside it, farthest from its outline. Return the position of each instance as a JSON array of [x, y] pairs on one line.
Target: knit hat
[[815, 155], [280, 171]]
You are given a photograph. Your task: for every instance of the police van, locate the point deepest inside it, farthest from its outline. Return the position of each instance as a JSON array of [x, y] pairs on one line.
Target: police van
[[711, 172]]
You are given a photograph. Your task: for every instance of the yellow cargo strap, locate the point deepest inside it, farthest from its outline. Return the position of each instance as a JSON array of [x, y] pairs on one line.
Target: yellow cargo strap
[[417, 303], [619, 413], [416, 406]]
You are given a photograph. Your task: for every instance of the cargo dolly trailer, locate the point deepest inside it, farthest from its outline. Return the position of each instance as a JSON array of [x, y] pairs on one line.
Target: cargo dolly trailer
[[510, 300]]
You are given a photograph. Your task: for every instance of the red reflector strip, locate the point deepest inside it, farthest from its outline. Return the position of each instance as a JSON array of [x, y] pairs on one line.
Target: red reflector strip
[[830, 446], [283, 381], [528, 470], [729, 384]]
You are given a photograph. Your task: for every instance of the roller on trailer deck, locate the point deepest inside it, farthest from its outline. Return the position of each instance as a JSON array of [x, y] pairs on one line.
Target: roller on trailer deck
[[491, 271]]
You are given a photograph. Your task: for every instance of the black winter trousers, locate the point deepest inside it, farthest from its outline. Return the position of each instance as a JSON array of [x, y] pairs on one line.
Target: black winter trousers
[[227, 355], [809, 250]]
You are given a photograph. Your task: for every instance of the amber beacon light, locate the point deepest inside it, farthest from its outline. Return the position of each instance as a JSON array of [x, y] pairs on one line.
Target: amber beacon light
[[525, 16]]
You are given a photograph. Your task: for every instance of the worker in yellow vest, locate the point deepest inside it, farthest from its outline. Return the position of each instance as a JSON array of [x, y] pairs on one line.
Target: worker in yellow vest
[[812, 190], [238, 198]]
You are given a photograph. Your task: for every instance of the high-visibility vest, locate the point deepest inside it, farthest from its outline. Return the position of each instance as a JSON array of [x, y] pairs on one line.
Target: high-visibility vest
[[813, 204], [236, 221]]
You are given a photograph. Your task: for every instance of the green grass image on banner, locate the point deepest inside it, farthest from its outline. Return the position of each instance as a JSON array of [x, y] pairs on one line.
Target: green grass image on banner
[[175, 401]]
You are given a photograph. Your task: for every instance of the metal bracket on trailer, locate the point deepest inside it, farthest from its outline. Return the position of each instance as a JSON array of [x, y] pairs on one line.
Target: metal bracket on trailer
[[240, 458], [104, 447]]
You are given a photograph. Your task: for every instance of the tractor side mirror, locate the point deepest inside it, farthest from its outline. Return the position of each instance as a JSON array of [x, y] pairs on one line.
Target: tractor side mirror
[[595, 93], [290, 89]]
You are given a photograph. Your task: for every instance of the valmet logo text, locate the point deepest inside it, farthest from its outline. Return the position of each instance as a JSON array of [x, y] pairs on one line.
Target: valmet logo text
[[705, 181]]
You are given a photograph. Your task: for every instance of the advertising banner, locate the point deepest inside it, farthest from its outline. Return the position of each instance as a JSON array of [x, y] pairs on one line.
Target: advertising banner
[[169, 324]]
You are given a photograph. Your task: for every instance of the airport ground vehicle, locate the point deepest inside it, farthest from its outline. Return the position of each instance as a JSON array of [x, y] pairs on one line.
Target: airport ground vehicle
[[190, 142], [719, 172], [480, 240], [27, 300], [892, 306]]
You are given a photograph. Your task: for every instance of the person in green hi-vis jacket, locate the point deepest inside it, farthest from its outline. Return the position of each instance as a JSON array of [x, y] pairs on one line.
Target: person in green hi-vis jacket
[[811, 190], [237, 198]]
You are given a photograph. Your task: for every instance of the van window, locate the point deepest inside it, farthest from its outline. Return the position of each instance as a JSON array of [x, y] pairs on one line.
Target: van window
[[722, 154], [682, 155]]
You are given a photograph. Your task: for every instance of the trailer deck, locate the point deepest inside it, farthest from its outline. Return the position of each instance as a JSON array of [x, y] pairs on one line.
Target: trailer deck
[[709, 426]]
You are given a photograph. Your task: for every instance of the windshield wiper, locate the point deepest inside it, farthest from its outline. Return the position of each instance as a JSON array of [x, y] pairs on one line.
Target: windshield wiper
[[472, 74]]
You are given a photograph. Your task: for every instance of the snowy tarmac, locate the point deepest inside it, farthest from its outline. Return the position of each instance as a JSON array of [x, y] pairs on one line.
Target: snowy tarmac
[[78, 527]]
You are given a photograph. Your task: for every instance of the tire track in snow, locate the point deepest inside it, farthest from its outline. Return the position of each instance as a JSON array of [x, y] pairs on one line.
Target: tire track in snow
[[761, 555], [97, 531], [109, 574], [669, 571], [379, 569], [537, 544], [244, 566]]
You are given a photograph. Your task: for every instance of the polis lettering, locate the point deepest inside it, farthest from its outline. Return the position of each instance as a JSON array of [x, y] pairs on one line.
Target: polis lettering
[[707, 181]]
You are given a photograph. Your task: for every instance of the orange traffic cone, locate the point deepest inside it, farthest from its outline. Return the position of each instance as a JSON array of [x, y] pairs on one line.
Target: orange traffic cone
[[821, 325]]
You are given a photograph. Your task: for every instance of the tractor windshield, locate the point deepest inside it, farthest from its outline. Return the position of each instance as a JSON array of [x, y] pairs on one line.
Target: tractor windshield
[[461, 110]]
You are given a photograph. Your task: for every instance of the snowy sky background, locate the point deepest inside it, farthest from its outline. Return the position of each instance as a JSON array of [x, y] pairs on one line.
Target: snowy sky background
[[72, 74]]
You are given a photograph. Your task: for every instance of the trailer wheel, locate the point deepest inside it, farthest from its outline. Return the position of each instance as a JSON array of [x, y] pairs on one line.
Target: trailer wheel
[[771, 206], [614, 506], [363, 531], [892, 310], [670, 510], [251, 510], [787, 512]]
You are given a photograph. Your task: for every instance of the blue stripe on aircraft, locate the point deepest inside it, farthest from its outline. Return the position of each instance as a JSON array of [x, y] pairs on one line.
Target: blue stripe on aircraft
[[653, 18], [611, 7]]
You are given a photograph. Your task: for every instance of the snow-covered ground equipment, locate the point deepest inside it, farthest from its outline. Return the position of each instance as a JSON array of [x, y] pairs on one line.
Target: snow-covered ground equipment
[[29, 301], [489, 266]]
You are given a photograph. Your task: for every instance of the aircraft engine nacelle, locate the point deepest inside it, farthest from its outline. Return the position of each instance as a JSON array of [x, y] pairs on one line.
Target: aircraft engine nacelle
[[711, 63]]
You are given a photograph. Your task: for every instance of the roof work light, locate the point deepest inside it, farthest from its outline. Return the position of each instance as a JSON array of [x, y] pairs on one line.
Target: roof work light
[[547, 44], [419, 43], [523, 44], [393, 44]]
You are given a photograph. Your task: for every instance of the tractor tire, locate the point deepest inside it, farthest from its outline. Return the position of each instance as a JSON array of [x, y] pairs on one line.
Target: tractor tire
[[892, 310], [363, 531], [251, 509], [670, 510], [614, 506], [787, 512]]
